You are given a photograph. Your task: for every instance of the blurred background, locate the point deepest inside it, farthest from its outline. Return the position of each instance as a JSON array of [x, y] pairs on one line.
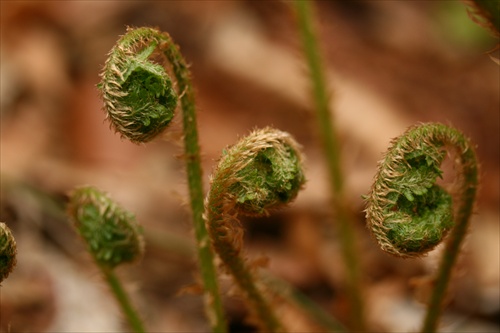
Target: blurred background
[[390, 64]]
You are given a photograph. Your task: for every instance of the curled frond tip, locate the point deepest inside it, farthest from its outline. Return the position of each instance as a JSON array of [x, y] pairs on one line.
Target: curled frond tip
[[139, 98], [111, 233], [407, 212], [261, 172]]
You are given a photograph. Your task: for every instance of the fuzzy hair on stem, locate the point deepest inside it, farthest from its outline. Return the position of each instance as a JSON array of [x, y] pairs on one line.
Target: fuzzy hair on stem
[[262, 172], [331, 145]]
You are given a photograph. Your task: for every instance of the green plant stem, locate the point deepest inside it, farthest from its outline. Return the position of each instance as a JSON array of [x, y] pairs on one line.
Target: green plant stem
[[121, 296], [470, 180], [331, 145], [241, 274], [194, 175]]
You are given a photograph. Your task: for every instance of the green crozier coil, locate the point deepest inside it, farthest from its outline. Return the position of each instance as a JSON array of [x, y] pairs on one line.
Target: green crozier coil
[[263, 171], [112, 235], [407, 212], [138, 95]]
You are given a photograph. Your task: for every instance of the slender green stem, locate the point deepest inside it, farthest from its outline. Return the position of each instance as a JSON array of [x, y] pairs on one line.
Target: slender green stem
[[194, 176], [246, 282], [121, 296], [469, 188], [321, 96], [331, 145]]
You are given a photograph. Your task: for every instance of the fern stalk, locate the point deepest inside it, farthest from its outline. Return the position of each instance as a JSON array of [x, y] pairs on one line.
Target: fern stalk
[[331, 148]]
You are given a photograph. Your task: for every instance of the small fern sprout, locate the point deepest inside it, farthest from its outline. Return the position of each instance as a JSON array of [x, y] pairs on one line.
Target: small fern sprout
[[261, 172], [111, 233], [112, 236], [138, 94], [8, 251], [409, 214], [140, 100]]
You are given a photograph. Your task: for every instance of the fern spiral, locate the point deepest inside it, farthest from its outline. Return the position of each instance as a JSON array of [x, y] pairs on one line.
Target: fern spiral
[[409, 214]]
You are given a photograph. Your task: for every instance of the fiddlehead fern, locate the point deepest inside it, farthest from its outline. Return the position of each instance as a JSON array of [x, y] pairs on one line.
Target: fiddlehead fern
[[139, 102], [8, 251], [138, 95], [111, 233], [409, 214], [261, 172], [112, 237]]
